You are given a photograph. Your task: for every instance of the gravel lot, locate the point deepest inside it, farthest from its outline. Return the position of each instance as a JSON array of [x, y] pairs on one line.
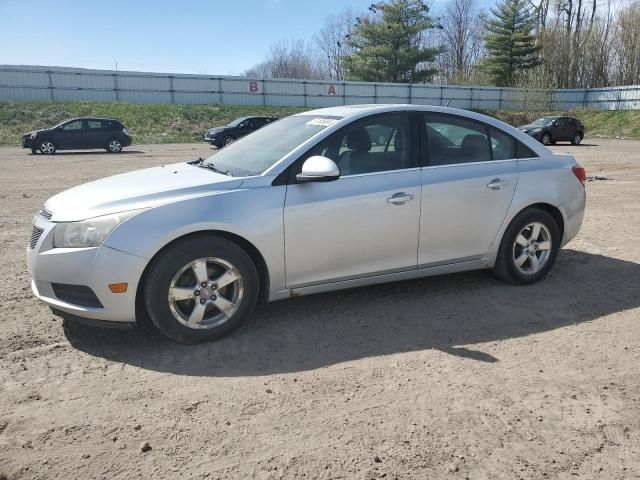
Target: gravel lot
[[458, 376]]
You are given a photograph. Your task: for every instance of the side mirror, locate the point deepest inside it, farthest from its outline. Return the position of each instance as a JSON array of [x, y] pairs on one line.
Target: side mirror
[[318, 169]]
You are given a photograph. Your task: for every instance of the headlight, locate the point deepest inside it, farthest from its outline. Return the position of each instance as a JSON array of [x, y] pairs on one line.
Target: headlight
[[32, 136], [87, 233]]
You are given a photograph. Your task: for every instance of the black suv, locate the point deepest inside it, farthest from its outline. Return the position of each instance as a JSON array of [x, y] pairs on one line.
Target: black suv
[[221, 136], [79, 134], [549, 130]]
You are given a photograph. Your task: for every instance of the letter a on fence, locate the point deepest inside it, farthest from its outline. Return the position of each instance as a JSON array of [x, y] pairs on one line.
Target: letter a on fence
[[332, 90]]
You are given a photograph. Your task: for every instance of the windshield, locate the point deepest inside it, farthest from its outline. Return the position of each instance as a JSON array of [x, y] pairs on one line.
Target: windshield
[[236, 122], [258, 151], [541, 122]]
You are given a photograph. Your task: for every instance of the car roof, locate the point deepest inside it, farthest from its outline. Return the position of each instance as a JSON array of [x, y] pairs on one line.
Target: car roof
[[94, 118]]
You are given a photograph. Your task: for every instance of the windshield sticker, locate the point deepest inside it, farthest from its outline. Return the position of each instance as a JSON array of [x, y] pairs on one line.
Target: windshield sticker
[[323, 122]]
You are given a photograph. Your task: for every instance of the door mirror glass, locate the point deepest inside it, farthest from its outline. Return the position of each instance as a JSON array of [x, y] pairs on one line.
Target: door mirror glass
[[318, 169]]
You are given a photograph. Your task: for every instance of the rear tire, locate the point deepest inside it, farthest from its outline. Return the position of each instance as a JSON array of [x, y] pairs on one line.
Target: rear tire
[[114, 146], [529, 248], [200, 288], [47, 147], [577, 139]]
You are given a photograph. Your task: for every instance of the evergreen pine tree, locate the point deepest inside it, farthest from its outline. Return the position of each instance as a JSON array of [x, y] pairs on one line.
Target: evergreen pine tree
[[389, 45], [510, 44]]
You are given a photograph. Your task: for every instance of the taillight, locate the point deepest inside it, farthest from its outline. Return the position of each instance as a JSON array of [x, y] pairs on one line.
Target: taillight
[[580, 173]]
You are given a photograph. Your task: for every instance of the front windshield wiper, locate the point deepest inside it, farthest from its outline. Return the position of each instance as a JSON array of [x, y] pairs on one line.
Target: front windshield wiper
[[211, 166], [199, 162]]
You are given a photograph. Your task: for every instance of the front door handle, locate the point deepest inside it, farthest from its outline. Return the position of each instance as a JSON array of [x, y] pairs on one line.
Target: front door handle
[[399, 198], [497, 184]]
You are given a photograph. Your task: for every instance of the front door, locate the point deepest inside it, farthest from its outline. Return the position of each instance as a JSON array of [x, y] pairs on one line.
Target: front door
[[467, 187], [71, 135], [366, 222]]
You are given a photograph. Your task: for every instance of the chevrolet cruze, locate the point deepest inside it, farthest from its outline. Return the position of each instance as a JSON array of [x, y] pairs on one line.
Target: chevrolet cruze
[[323, 200]]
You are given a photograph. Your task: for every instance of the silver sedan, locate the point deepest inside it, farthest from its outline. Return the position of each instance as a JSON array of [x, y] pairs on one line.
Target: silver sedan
[[323, 200]]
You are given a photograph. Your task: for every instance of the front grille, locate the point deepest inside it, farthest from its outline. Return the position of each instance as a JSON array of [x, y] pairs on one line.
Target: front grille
[[46, 214], [35, 236], [76, 294]]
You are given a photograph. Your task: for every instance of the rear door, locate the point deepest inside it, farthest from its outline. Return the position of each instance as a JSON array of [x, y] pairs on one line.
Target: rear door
[[71, 135], [96, 134], [468, 182], [563, 130]]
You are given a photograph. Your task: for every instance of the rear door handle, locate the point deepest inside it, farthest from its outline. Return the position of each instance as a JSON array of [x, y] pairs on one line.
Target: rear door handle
[[399, 198], [497, 184]]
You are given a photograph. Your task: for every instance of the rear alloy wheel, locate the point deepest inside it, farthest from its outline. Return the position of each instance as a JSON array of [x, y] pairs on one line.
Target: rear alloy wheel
[[529, 247], [47, 147], [228, 141], [114, 146], [577, 138], [546, 139], [200, 289]]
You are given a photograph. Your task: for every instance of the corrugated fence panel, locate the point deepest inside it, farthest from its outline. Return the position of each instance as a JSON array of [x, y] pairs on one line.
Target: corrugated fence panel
[[28, 82]]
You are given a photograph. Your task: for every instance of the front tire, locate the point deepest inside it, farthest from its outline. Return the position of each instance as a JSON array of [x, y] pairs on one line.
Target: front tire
[[228, 140], [114, 146], [546, 139], [47, 147], [200, 289], [529, 248]]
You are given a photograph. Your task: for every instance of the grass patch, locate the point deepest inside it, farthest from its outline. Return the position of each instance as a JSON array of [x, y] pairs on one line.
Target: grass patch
[[147, 123], [159, 123], [598, 123]]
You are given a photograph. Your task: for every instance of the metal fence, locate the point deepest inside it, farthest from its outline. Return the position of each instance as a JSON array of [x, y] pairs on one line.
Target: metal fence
[[19, 82]]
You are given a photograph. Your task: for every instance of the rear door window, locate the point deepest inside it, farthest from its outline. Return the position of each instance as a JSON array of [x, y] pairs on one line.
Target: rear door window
[[503, 145], [94, 124], [452, 140]]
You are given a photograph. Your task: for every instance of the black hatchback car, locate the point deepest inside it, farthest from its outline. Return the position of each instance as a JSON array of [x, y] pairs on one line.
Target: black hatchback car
[[79, 134], [221, 136], [549, 130]]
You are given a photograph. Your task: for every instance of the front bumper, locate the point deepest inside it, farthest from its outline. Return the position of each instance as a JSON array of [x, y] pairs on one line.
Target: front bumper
[[28, 142], [94, 267]]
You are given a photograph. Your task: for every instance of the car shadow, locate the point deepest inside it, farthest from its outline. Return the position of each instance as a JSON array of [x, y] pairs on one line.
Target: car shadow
[[446, 313], [88, 152]]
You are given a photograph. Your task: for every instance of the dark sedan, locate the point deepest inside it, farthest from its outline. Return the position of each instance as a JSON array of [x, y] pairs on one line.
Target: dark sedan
[[549, 130], [79, 134], [221, 136]]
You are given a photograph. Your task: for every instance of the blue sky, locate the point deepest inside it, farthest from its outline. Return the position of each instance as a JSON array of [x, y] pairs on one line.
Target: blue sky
[[215, 37]]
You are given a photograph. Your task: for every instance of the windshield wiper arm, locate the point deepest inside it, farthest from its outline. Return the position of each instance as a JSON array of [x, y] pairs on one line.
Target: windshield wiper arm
[[211, 166]]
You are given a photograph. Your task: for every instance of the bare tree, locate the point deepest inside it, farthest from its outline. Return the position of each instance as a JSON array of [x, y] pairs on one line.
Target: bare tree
[[289, 59], [332, 41], [462, 32]]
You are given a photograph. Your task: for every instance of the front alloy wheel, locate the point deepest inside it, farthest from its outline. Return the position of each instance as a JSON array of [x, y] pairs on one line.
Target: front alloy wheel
[[200, 288], [205, 293], [47, 147], [546, 139]]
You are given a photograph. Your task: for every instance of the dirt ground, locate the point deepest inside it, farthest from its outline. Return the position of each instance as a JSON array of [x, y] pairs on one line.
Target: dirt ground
[[451, 377]]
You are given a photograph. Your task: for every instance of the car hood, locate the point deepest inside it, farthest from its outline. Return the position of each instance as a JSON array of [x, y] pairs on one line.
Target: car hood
[[216, 129], [138, 189], [528, 127]]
